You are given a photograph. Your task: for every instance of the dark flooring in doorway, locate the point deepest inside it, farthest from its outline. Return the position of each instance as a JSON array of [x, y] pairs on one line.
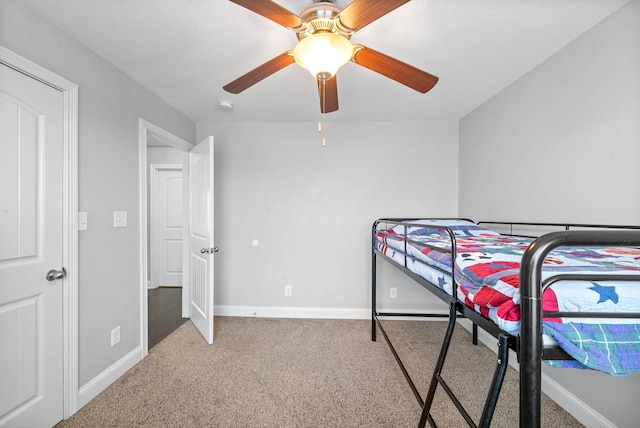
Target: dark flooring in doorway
[[165, 312]]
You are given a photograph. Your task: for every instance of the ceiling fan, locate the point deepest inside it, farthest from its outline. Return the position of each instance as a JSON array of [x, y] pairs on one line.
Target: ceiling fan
[[323, 30]]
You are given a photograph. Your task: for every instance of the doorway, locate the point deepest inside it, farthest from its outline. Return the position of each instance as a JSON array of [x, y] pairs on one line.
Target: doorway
[[166, 231], [164, 289]]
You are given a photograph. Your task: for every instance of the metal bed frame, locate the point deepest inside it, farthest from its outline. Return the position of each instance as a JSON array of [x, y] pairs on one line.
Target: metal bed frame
[[528, 345]]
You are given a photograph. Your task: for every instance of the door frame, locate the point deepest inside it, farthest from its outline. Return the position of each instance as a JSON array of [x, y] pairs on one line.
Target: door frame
[[154, 257], [70, 219], [147, 129]]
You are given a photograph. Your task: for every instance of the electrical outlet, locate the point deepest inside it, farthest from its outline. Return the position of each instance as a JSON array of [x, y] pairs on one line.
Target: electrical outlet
[[115, 336], [287, 290], [393, 292]]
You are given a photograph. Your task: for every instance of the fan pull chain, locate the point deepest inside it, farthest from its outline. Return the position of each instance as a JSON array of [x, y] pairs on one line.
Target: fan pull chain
[[324, 102], [324, 140]]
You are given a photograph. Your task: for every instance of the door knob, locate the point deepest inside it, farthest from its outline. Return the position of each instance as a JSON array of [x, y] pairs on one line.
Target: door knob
[[209, 250], [53, 274]]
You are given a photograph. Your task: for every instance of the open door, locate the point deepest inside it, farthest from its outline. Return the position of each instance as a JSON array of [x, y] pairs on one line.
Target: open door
[[201, 246]]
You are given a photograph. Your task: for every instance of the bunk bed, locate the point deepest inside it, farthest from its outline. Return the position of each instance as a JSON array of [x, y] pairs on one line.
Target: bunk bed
[[527, 292]]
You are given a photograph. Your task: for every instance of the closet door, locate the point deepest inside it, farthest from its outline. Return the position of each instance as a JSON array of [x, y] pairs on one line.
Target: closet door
[[166, 225], [201, 246], [32, 278]]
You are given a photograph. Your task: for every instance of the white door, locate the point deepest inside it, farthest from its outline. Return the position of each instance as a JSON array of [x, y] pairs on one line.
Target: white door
[[166, 225], [201, 247], [31, 244]]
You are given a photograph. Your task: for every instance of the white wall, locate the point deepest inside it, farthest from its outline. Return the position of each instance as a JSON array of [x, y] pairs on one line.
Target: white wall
[[110, 104], [311, 208], [563, 144], [163, 155]]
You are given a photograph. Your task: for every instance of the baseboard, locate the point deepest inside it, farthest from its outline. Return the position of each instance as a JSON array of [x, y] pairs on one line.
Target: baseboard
[[291, 312], [322, 313], [101, 382], [573, 405], [577, 408]]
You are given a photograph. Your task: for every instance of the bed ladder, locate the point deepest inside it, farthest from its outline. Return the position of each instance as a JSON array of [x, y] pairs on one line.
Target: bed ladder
[[504, 342]]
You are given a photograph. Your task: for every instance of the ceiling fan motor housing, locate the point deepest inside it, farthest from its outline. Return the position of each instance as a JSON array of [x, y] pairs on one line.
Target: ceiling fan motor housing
[[320, 17]]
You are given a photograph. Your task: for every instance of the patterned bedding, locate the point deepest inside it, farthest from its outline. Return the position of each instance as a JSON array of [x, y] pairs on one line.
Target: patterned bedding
[[487, 275]]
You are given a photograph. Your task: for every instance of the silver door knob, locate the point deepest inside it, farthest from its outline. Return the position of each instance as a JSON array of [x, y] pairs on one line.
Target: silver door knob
[[209, 250], [53, 274]]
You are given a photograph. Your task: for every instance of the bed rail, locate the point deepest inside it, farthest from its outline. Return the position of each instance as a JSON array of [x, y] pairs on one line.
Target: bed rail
[[565, 226]]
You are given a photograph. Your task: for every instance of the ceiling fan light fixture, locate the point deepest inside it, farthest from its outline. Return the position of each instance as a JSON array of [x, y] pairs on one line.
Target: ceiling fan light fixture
[[323, 54]]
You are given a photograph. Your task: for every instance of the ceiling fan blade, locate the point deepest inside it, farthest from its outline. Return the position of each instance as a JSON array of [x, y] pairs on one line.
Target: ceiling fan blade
[[257, 74], [328, 92], [394, 69], [360, 13], [272, 11]]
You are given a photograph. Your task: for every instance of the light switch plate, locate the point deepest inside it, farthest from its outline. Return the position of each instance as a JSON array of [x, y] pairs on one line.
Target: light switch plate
[[119, 219], [83, 221]]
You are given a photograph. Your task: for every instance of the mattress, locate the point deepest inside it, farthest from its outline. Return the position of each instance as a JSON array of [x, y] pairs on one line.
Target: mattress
[[486, 272]]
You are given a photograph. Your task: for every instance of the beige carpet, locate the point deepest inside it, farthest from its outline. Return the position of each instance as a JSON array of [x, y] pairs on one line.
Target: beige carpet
[[301, 373]]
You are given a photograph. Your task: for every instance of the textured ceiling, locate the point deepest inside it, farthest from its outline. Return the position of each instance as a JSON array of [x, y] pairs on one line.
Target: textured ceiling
[[186, 50]]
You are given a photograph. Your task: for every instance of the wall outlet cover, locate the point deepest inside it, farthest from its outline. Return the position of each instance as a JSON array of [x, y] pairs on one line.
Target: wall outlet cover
[[115, 336]]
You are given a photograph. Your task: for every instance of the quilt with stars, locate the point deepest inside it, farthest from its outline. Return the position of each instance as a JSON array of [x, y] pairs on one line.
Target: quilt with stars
[[486, 273]]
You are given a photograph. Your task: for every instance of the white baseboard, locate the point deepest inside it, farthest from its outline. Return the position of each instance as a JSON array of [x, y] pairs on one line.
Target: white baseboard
[[291, 312], [101, 382], [322, 313], [573, 405]]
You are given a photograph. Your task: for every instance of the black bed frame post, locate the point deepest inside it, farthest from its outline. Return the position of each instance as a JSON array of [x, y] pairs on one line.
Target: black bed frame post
[[373, 297], [374, 310], [531, 334]]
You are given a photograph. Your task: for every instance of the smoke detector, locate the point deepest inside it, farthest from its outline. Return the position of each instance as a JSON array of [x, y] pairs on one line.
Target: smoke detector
[[225, 105]]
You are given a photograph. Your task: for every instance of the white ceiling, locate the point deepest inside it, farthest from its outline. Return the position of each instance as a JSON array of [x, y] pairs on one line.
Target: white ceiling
[[186, 50]]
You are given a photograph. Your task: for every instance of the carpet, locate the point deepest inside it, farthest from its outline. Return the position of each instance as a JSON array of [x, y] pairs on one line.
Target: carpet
[[265, 372]]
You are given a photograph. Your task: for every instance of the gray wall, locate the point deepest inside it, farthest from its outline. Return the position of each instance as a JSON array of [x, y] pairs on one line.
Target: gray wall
[[110, 104], [311, 208], [563, 144]]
